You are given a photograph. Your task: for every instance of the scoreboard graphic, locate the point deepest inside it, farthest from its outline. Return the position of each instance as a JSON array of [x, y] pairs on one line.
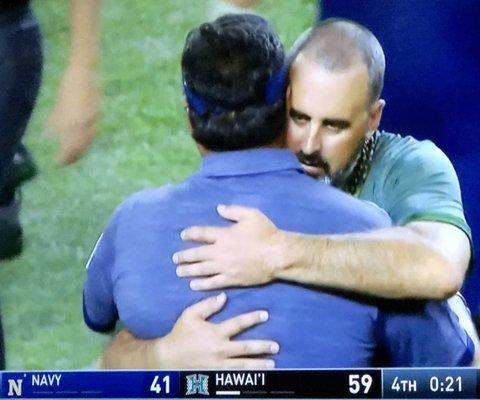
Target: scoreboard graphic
[[422, 383]]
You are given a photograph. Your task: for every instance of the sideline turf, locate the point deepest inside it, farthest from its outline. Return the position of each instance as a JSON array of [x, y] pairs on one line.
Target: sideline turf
[[142, 142]]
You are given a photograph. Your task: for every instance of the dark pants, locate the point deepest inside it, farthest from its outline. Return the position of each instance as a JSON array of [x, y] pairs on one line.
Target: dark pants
[[20, 74]]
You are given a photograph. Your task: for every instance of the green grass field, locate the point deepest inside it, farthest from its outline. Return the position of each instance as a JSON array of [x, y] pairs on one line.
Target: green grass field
[[142, 142]]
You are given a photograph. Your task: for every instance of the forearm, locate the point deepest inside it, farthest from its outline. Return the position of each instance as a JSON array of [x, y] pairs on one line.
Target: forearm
[[85, 32], [390, 263], [126, 352], [194, 343]]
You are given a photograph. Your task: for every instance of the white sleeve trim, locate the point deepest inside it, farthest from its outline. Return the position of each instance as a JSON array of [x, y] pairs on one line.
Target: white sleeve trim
[[93, 251]]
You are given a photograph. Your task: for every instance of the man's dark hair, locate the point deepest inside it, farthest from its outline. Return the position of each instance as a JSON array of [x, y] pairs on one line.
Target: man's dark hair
[[337, 44], [226, 66]]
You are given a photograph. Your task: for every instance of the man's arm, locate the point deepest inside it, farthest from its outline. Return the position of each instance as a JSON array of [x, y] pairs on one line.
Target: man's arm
[[77, 107], [421, 334], [424, 257], [194, 343], [99, 308], [424, 260], [399, 262]]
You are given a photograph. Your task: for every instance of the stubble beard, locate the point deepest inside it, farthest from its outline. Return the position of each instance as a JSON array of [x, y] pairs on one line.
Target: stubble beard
[[339, 178]]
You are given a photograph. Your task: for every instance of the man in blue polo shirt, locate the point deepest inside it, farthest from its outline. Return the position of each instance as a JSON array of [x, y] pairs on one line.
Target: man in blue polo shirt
[[234, 82]]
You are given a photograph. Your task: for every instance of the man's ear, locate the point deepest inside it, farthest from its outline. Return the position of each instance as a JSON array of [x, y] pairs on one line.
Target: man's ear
[[187, 117], [202, 150], [288, 94], [375, 116]]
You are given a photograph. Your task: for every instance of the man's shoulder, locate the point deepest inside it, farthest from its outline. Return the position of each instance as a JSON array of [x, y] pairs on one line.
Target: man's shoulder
[[414, 180], [151, 195], [397, 150], [363, 214], [152, 198]]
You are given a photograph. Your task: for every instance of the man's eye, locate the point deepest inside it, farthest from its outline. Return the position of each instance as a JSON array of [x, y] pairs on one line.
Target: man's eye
[[298, 120], [333, 128]]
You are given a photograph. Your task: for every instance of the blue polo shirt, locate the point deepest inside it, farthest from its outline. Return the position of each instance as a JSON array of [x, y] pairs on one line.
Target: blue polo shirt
[[131, 277]]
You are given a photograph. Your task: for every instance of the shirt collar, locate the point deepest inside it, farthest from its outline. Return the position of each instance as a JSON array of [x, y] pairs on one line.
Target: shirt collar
[[248, 162]]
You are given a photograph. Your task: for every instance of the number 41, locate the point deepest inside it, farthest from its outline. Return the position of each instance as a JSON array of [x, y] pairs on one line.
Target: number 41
[[157, 387]]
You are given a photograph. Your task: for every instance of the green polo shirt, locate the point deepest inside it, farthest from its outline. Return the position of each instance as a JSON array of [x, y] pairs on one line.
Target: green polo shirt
[[414, 181]]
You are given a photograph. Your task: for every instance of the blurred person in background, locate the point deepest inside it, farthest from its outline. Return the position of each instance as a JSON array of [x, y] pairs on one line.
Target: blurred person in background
[[20, 75], [73, 119]]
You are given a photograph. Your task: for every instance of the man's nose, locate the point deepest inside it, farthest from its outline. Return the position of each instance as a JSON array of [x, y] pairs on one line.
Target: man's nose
[[313, 142]]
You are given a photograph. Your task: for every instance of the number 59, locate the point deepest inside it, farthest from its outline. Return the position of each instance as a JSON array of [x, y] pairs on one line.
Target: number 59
[[355, 383]]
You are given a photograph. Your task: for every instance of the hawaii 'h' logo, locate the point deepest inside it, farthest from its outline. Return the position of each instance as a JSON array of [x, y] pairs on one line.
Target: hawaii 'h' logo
[[197, 383]]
